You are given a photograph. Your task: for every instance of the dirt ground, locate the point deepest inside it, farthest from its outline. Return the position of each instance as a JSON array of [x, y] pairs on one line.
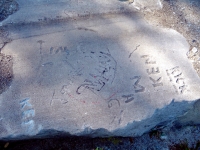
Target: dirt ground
[[184, 17], [181, 15]]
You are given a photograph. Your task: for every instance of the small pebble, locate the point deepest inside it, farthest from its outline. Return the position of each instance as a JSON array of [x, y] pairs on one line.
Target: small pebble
[[163, 137], [194, 50]]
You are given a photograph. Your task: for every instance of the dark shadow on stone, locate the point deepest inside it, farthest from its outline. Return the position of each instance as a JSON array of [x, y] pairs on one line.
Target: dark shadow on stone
[[165, 117], [7, 7]]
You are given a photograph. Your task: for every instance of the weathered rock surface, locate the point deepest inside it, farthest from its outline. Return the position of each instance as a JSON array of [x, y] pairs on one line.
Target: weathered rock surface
[[43, 10], [7, 7], [103, 76]]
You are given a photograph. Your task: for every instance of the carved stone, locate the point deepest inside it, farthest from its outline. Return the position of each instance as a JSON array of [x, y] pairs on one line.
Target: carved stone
[[99, 77]]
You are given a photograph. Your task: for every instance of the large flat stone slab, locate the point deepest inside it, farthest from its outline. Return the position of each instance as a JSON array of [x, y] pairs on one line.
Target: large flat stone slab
[[103, 76]]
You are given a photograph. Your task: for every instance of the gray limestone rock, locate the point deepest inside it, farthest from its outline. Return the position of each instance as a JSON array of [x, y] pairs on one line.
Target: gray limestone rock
[[7, 7], [43, 10], [103, 76], [148, 4], [74, 67]]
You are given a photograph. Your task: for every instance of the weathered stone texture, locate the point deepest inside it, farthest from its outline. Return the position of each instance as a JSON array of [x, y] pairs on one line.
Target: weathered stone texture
[[122, 77], [99, 75]]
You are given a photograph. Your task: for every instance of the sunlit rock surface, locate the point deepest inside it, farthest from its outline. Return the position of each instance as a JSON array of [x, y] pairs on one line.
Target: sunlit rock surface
[[98, 76]]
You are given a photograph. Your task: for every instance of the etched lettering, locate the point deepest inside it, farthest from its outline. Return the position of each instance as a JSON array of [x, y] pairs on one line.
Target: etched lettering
[[62, 100], [58, 50], [129, 98], [110, 103], [153, 70], [29, 126], [40, 42], [29, 122], [173, 71], [137, 87], [64, 89], [102, 74], [149, 59], [176, 76], [88, 85], [156, 82], [25, 103], [84, 14], [180, 81], [28, 113], [118, 118], [182, 88]]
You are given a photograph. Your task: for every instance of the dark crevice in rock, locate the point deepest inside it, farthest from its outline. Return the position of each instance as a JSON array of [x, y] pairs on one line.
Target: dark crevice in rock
[[4, 38], [2, 45]]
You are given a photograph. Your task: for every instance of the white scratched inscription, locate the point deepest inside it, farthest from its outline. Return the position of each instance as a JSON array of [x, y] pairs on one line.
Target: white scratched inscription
[[28, 112]]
